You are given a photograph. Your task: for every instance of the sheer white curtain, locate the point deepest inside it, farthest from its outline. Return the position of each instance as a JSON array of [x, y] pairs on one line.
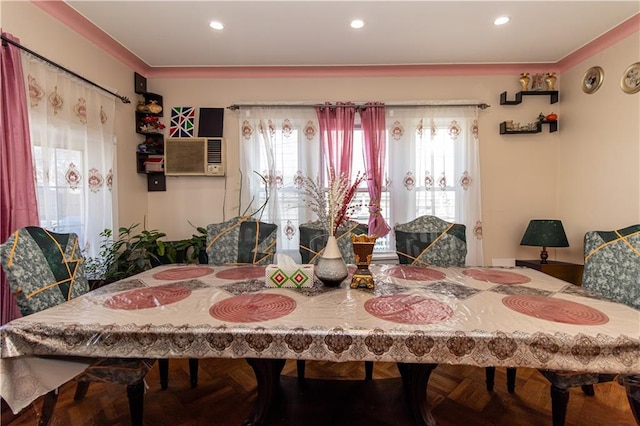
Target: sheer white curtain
[[72, 134], [283, 146], [434, 168]]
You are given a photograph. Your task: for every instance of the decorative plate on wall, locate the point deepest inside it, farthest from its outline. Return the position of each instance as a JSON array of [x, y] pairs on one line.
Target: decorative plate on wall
[[592, 80], [630, 81]]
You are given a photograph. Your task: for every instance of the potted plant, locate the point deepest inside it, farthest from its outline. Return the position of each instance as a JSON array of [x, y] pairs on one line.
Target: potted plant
[[127, 255], [132, 253]]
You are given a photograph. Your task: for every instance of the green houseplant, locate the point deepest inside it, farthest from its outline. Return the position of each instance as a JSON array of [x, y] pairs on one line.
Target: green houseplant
[[131, 253]]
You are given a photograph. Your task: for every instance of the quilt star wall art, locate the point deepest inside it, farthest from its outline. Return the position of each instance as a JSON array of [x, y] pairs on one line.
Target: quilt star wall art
[[182, 122]]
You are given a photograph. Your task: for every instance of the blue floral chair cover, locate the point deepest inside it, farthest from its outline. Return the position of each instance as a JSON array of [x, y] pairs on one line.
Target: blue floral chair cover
[[44, 269], [612, 270], [612, 264], [431, 241], [241, 241], [313, 239]]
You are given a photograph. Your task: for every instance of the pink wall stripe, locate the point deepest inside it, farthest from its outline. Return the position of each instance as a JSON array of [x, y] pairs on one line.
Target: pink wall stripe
[[64, 13], [72, 19], [627, 28]]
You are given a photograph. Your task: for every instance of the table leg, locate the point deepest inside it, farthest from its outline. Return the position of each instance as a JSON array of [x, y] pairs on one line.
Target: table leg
[[415, 378], [267, 373]]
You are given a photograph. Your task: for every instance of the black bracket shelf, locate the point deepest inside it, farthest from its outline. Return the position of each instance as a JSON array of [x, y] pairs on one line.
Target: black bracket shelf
[[553, 97], [553, 127]]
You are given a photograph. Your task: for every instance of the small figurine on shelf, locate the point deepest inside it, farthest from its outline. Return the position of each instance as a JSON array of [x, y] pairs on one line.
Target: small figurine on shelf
[[142, 107], [537, 83], [550, 79], [151, 146], [151, 124], [154, 107], [541, 117], [524, 81]]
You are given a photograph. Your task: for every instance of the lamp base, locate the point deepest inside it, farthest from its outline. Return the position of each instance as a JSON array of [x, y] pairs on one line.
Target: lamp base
[[544, 255]]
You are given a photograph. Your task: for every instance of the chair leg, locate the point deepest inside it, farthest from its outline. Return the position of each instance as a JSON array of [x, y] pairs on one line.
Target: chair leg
[[81, 390], [588, 390], [559, 401], [193, 372], [490, 374], [300, 365], [48, 405], [632, 387], [135, 393], [163, 368], [511, 379], [368, 370]]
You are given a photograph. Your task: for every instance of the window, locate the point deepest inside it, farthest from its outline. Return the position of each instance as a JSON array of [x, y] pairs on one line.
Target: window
[[431, 168], [71, 125]]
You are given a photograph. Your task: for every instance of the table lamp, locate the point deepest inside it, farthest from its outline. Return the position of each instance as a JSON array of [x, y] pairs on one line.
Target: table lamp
[[544, 233]]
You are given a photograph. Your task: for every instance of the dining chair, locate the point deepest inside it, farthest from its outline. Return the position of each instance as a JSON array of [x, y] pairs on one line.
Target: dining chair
[[611, 270], [431, 241], [241, 240], [313, 239], [44, 269]]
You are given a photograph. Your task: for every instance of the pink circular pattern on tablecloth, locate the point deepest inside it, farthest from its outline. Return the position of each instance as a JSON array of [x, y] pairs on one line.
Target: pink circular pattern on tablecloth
[[148, 297], [415, 273], [253, 308], [557, 310], [184, 273], [496, 276], [408, 309], [242, 273]]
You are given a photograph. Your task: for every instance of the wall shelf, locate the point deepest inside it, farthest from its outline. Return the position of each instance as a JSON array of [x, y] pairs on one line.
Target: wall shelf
[[153, 144], [553, 127], [553, 96]]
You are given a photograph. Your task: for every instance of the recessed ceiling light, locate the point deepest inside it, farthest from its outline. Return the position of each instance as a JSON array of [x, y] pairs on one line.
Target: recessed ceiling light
[[216, 25], [357, 23], [501, 20]]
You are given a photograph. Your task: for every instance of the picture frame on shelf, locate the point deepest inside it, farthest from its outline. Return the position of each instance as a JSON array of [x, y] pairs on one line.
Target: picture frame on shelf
[[630, 80], [139, 83], [592, 80]]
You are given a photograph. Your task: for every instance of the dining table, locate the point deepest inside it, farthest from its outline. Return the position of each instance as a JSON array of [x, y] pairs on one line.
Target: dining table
[[416, 317]]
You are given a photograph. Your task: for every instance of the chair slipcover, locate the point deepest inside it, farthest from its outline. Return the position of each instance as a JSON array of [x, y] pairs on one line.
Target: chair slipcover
[[241, 240], [431, 241], [44, 269], [314, 236], [612, 264], [612, 270]]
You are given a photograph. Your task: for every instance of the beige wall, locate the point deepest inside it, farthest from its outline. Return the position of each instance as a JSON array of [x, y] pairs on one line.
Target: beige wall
[[47, 36], [587, 174], [599, 174]]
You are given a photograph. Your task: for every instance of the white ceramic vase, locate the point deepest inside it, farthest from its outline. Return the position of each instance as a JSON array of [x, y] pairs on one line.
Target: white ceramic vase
[[331, 268]]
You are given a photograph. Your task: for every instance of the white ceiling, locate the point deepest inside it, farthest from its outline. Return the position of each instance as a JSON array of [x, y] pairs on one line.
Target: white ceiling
[[316, 33]]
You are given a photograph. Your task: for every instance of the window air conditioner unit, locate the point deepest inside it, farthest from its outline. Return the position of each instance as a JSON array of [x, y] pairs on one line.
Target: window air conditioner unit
[[194, 157]]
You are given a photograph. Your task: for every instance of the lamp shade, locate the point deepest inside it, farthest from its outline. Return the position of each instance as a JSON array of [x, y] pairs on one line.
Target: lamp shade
[[545, 233]]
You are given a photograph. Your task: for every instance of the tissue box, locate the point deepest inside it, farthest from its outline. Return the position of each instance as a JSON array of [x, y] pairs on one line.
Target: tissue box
[[296, 276]]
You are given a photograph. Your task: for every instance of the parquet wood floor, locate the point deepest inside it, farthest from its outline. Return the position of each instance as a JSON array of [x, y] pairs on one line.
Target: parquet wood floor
[[226, 393]]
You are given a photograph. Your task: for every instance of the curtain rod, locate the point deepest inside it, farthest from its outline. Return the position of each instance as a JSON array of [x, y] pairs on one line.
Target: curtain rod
[[5, 40], [358, 106]]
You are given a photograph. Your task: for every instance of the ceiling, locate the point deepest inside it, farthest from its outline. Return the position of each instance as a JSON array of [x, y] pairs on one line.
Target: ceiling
[[317, 33]]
